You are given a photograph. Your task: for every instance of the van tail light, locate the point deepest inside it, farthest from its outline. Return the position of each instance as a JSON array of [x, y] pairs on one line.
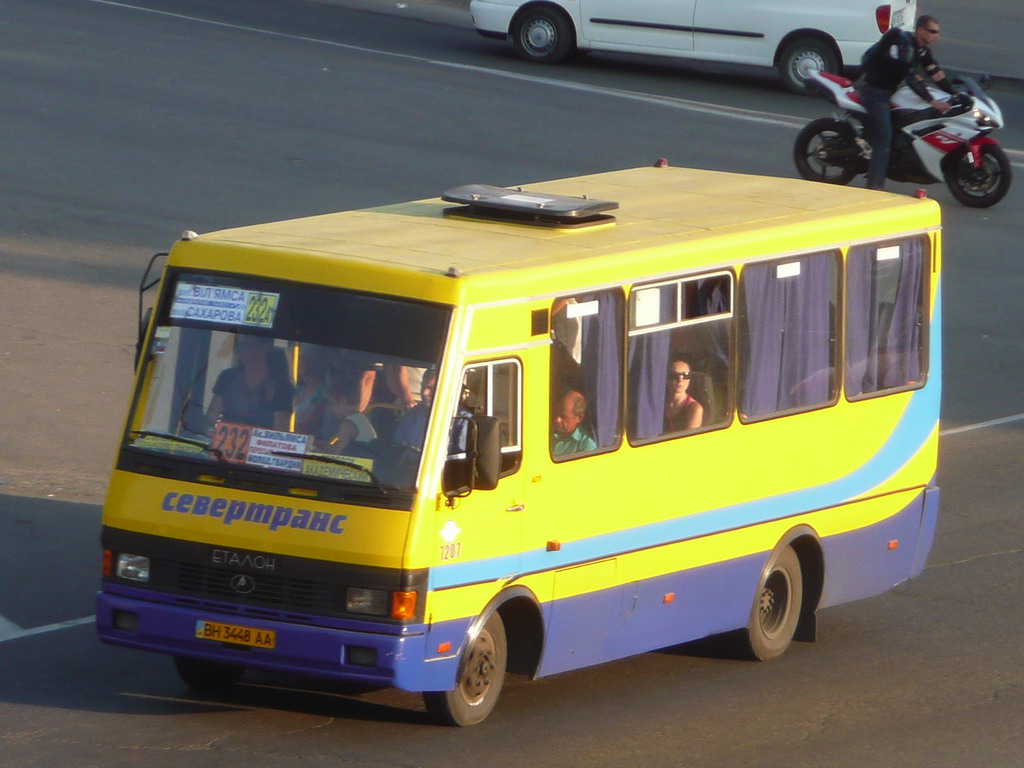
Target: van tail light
[[883, 17]]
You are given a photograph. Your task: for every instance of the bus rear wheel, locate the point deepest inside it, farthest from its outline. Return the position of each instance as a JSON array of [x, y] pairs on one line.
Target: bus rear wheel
[[777, 605], [481, 676]]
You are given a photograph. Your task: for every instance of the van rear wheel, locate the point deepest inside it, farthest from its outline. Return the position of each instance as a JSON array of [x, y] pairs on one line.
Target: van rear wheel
[[542, 35], [803, 56], [480, 679]]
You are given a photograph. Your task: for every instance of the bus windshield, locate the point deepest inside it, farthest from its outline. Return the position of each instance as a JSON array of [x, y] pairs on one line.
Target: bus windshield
[[289, 379]]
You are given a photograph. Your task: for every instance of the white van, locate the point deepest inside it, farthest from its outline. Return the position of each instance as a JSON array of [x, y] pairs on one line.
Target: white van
[[795, 36]]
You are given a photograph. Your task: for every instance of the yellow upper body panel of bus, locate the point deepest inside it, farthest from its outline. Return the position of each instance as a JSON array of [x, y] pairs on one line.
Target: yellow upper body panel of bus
[[668, 218]]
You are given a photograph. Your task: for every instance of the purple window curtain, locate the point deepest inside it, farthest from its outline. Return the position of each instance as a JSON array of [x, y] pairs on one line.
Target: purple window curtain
[[903, 342], [602, 366], [883, 343], [648, 364], [808, 371], [788, 329], [861, 369]]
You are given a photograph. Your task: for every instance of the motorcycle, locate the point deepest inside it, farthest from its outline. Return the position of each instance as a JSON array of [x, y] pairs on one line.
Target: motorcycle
[[928, 146]]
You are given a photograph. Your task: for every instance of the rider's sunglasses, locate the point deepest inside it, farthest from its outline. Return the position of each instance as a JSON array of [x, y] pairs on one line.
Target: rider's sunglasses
[[685, 375]]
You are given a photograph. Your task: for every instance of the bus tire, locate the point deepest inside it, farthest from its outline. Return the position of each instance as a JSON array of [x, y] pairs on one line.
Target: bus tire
[[207, 676], [777, 605], [480, 678]]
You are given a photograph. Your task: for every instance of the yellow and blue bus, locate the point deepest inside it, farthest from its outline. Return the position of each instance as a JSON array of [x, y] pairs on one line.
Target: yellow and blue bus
[[527, 430]]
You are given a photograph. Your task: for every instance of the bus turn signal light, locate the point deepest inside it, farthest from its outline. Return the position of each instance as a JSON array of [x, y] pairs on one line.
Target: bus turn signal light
[[403, 605]]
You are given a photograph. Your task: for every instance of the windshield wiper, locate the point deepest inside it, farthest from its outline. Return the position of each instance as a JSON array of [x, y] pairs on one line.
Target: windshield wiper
[[333, 460], [179, 439]]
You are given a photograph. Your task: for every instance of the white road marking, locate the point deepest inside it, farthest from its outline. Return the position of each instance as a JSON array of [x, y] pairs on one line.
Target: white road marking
[[19, 633], [8, 628], [981, 425]]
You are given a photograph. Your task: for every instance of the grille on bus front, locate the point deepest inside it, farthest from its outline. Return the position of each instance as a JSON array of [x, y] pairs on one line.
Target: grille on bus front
[[260, 589]]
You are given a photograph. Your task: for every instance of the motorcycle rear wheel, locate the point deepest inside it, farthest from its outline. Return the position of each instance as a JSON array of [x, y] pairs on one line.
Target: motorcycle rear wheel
[[982, 186], [816, 146]]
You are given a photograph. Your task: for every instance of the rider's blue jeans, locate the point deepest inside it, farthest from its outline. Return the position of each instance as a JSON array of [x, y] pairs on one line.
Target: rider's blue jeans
[[878, 132]]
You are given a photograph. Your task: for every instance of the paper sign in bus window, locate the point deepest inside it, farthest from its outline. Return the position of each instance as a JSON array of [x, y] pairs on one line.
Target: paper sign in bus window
[[888, 253], [790, 269], [581, 309], [224, 305], [647, 307]]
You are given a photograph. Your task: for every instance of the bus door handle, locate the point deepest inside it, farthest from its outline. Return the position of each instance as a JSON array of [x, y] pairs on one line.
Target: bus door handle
[[516, 508]]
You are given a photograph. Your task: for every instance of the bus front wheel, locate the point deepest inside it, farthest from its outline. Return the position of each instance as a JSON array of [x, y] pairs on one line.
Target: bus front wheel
[[777, 604], [481, 676]]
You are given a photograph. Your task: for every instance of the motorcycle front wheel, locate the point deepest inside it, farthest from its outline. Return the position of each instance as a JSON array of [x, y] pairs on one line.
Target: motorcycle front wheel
[[825, 151], [982, 186]]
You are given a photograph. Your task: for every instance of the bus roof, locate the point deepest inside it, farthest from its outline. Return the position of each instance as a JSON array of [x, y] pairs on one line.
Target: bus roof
[[687, 210]]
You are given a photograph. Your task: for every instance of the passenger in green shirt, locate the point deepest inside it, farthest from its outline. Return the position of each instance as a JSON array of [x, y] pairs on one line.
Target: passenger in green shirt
[[566, 417]]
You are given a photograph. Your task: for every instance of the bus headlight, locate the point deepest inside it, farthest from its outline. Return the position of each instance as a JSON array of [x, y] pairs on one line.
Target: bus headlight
[[132, 567], [369, 601]]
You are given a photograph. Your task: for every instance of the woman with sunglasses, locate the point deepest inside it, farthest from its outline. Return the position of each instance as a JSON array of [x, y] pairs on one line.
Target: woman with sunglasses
[[682, 411]]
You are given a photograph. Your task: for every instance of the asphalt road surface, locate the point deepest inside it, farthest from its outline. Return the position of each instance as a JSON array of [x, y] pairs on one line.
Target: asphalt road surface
[[123, 127]]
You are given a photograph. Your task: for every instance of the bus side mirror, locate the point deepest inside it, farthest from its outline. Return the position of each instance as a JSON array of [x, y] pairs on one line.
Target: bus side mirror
[[144, 317], [487, 461], [477, 465]]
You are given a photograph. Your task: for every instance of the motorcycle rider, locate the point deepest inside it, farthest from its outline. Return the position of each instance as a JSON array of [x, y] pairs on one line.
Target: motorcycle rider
[[896, 58]]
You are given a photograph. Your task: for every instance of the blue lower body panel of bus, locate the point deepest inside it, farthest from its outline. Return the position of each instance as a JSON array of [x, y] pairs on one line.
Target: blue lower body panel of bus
[[698, 602], [871, 560], [351, 652]]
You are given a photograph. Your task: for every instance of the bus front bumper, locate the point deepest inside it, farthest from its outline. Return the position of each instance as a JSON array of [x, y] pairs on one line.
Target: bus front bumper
[[395, 660]]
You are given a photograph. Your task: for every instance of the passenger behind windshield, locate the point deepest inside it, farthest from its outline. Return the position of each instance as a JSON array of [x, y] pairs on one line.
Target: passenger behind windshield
[[343, 397], [256, 391], [412, 429]]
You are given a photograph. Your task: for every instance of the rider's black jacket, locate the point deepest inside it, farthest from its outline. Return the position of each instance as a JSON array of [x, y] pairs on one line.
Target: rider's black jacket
[[896, 59]]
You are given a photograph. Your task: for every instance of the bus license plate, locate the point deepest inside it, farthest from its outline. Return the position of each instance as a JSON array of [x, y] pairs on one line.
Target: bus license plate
[[232, 633]]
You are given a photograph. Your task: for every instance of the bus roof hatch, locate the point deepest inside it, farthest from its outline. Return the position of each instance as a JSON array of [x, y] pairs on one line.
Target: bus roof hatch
[[490, 203]]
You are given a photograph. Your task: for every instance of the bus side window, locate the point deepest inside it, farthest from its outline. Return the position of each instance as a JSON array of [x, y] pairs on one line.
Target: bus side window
[[680, 349], [884, 317], [788, 335], [586, 373], [494, 389]]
